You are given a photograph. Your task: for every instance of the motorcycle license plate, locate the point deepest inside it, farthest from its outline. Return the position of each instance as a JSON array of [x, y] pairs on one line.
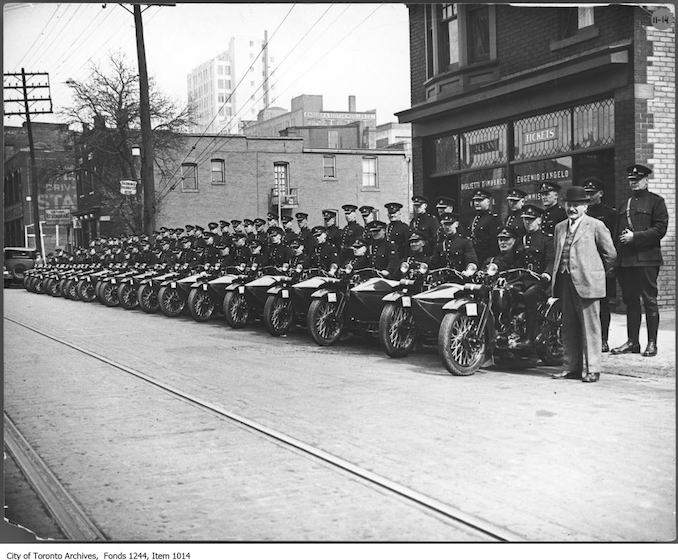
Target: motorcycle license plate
[[407, 302], [204, 287], [241, 289], [472, 309], [113, 281], [285, 294], [332, 298], [173, 284]]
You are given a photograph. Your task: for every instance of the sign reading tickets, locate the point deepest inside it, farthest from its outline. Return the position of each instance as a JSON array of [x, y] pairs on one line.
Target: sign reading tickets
[[544, 135], [128, 187]]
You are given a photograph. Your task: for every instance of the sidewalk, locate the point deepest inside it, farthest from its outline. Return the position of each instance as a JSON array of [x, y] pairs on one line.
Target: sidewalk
[[635, 365]]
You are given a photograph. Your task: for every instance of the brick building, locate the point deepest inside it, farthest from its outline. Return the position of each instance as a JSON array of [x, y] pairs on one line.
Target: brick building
[[241, 177], [506, 96]]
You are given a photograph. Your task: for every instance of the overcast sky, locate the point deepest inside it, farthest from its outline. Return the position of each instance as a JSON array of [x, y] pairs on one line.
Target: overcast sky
[[351, 50]]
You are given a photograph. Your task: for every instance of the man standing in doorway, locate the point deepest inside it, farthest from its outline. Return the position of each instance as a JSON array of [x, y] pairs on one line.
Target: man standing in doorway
[[584, 255], [642, 221]]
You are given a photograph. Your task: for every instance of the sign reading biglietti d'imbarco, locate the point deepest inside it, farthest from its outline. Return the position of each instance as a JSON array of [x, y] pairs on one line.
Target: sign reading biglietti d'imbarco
[[543, 135]]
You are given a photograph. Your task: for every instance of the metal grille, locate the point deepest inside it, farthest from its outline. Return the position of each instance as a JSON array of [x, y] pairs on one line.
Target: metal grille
[[593, 124], [484, 146], [542, 135], [445, 154]]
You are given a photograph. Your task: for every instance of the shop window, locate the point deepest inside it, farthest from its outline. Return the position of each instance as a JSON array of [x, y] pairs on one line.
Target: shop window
[[483, 147], [218, 169], [189, 177], [370, 173], [527, 176], [444, 154], [329, 167], [542, 135], [593, 124]]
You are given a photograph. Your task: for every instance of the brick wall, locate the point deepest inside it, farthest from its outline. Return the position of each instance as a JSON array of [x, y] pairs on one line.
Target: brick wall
[[660, 132], [417, 53], [249, 179]]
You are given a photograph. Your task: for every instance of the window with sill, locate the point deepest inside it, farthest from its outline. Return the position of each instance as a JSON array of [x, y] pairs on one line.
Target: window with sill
[[370, 173], [218, 168], [458, 35], [329, 167], [573, 20], [189, 177]]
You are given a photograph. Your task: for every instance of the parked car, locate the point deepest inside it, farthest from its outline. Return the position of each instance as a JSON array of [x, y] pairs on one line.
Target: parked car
[[17, 261]]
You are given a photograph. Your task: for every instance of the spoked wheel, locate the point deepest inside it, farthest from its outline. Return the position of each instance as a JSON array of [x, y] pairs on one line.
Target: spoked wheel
[[70, 289], [549, 343], [171, 301], [200, 305], [236, 309], [61, 287], [396, 330], [278, 314], [40, 286], [53, 287], [148, 298], [27, 282], [323, 322], [461, 350], [109, 294], [97, 290], [86, 291], [127, 295]]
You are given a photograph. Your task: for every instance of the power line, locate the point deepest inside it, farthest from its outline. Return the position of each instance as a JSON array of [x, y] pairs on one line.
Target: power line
[[39, 35], [46, 50]]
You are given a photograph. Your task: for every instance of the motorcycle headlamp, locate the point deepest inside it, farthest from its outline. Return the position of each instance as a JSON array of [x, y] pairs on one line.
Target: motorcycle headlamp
[[404, 267], [241, 266], [333, 269], [299, 268], [492, 269], [255, 266], [348, 268], [286, 267], [423, 268]]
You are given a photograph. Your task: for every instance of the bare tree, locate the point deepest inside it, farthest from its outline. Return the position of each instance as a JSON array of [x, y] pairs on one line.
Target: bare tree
[[106, 107]]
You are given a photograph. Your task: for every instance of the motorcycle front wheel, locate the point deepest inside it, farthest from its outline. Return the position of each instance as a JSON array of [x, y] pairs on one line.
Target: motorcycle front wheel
[[235, 310], [109, 294], [171, 301], [200, 305], [461, 351], [324, 325], [396, 330], [127, 296], [549, 344], [278, 314], [148, 298], [86, 291]]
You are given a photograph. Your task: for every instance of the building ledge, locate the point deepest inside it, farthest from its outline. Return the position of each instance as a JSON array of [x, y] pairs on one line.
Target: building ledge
[[584, 34]]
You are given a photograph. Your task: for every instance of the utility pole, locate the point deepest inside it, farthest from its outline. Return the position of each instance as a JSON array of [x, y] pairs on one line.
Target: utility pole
[[147, 179], [26, 83]]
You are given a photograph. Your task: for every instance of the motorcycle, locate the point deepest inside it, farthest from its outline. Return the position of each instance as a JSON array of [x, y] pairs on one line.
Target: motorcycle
[[147, 293], [397, 328], [173, 292], [350, 301], [485, 321], [235, 306], [70, 285], [86, 284], [108, 285], [129, 286], [207, 293]]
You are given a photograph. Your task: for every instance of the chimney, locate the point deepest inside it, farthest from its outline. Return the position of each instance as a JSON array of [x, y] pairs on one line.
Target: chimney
[[351, 104]]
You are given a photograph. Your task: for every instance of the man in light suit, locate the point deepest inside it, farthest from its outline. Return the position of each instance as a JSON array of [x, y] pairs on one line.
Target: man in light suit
[[584, 256]]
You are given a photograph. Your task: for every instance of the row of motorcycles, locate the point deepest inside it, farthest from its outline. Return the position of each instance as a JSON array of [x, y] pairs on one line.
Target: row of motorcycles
[[473, 321]]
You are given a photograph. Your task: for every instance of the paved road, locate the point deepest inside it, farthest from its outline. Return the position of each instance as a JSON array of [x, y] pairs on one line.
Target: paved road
[[547, 459]]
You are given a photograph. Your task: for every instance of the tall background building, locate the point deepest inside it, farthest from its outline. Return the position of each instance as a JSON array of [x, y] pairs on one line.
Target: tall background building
[[231, 87]]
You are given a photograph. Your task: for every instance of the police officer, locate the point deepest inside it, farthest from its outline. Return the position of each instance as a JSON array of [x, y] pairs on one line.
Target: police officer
[[224, 257], [210, 251], [641, 222], [359, 259], [333, 231], [199, 237], [324, 254], [424, 222], [237, 227], [416, 253], [215, 232], [304, 231], [516, 200], [277, 253], [367, 213], [260, 231], [226, 238], [382, 254], [351, 231], [299, 254], [444, 205], [272, 220], [187, 254], [535, 253], [506, 240], [240, 252], [553, 212], [484, 226], [594, 187], [248, 226], [257, 255], [397, 230], [290, 234], [453, 250]]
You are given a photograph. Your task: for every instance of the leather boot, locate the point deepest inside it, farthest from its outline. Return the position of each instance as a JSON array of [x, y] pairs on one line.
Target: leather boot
[[652, 320], [604, 323], [631, 346]]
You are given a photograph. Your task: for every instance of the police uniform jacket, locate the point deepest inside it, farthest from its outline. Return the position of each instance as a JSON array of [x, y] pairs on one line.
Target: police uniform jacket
[[240, 255], [118, 256], [211, 254], [290, 234], [323, 256], [307, 238], [399, 233], [334, 235], [259, 259], [187, 256], [605, 214], [484, 229], [168, 257], [535, 253], [503, 261], [383, 255], [277, 255], [359, 263], [515, 222], [351, 232], [455, 252], [428, 225], [302, 259], [645, 214], [224, 261], [552, 216]]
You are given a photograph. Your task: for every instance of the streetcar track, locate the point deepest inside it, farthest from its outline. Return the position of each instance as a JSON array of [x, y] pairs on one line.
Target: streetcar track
[[448, 512]]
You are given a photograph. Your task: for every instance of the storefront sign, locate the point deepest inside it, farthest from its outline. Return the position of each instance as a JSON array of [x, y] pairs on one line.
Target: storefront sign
[[557, 169], [487, 179], [484, 147], [544, 135], [128, 187], [61, 216]]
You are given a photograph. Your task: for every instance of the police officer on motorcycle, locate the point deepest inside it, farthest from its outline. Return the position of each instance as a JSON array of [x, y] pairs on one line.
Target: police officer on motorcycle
[[299, 254], [424, 222], [352, 231], [277, 253], [454, 251], [382, 254], [324, 254], [397, 230], [514, 220], [535, 253], [333, 232], [484, 226]]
